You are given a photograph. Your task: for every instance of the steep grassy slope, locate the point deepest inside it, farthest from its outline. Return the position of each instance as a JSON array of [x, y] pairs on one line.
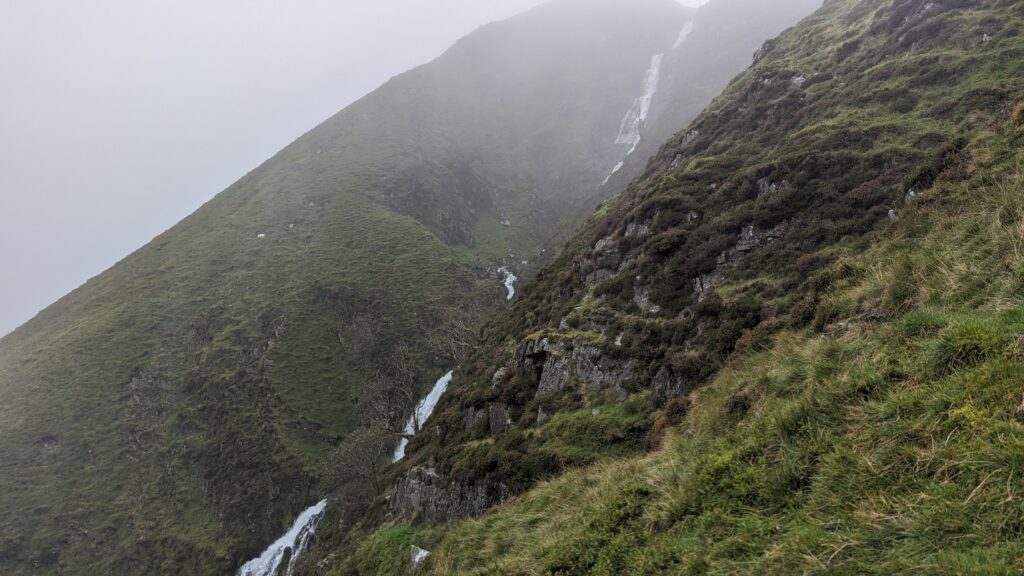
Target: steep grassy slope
[[818, 290], [883, 447], [169, 416]]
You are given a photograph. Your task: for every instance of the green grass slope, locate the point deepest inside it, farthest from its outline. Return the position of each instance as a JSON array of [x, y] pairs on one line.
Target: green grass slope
[[846, 388], [891, 447]]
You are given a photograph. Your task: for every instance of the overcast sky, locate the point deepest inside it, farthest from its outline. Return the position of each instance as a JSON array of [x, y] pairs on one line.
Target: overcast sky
[[120, 117]]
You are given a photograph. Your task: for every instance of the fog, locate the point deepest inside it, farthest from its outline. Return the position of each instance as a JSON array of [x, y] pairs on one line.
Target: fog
[[120, 117]]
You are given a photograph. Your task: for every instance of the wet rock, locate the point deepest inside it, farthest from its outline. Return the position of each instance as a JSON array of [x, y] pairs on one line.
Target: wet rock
[[706, 282], [798, 80], [677, 161], [423, 492], [641, 295], [591, 365], [893, 215], [690, 136]]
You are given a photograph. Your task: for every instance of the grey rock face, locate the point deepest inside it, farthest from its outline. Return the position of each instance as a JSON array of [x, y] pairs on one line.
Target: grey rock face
[[554, 375], [499, 376], [604, 245], [473, 417], [597, 276], [499, 416], [639, 229], [592, 366], [642, 298], [750, 239], [764, 50], [542, 416], [422, 491], [667, 385], [765, 186], [559, 363]]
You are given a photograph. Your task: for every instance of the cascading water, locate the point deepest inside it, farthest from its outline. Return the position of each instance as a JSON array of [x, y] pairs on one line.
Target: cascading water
[[297, 539], [684, 34], [630, 131], [633, 122], [509, 281], [423, 411], [300, 535]]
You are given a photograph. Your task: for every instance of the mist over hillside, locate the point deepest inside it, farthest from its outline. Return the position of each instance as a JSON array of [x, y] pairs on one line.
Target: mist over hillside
[[609, 287]]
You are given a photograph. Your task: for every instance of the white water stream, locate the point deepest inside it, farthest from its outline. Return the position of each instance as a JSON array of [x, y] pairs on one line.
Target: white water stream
[[630, 131], [297, 539], [509, 281], [423, 411], [299, 536], [633, 122], [684, 34]]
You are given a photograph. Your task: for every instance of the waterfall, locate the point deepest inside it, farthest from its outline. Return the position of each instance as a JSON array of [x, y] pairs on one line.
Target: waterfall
[[630, 131], [509, 281], [296, 539], [684, 34], [423, 411], [633, 122]]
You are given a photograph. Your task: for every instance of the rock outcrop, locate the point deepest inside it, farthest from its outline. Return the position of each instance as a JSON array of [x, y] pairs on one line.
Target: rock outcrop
[[750, 239], [425, 493]]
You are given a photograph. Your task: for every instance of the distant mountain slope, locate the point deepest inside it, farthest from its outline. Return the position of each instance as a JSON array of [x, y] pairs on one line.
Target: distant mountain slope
[[811, 299], [169, 415], [720, 41]]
